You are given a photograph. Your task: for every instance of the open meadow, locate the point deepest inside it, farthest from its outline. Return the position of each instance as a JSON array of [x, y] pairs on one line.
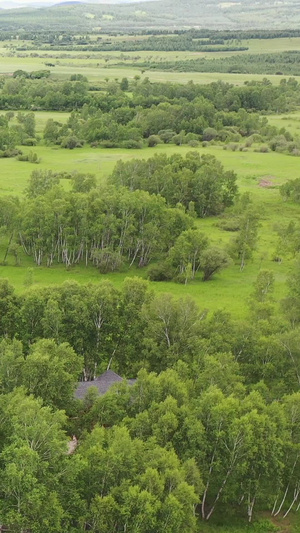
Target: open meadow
[[228, 290]]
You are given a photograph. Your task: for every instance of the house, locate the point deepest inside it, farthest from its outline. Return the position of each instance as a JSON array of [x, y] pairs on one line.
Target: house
[[103, 383]]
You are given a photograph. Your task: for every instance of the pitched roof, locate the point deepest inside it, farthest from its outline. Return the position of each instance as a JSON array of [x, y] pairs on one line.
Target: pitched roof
[[102, 383]]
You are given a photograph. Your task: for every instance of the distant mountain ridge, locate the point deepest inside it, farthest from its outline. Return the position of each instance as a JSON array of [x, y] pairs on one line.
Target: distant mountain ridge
[[7, 4], [126, 15]]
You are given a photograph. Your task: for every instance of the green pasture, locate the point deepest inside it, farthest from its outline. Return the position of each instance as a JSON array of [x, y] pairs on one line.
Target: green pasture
[[250, 166], [94, 74], [255, 46], [289, 121], [270, 46], [230, 289], [100, 66]]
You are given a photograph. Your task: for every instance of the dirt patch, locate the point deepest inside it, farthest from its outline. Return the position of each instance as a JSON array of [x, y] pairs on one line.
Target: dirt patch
[[267, 181], [283, 524]]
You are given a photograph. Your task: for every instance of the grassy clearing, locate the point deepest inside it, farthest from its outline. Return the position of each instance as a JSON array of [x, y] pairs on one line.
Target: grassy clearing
[[290, 122], [230, 289]]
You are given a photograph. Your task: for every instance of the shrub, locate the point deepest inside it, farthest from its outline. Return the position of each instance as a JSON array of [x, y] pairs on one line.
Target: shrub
[[264, 149], [153, 140], [160, 272], [132, 144], [71, 142]]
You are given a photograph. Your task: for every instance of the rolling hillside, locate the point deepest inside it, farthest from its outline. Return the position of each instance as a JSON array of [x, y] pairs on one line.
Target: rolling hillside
[[156, 14]]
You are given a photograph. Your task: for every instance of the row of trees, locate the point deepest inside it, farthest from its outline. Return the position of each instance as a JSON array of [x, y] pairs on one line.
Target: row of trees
[[178, 122], [286, 63], [159, 113]]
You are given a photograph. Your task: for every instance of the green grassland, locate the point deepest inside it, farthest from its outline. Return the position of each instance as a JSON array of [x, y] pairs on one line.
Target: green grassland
[[230, 289], [99, 74], [290, 122], [99, 66]]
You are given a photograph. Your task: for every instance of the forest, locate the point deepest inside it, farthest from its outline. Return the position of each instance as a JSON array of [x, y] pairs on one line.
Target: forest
[[133, 239]]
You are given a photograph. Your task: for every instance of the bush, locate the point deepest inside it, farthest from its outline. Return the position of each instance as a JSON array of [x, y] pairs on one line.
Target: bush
[[107, 260], [153, 140], [32, 157], [209, 134], [166, 135], [29, 141], [264, 149], [160, 272], [132, 144], [71, 142], [232, 224], [108, 144], [10, 152]]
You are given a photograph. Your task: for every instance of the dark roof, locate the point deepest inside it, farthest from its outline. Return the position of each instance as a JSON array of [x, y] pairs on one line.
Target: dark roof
[[102, 383]]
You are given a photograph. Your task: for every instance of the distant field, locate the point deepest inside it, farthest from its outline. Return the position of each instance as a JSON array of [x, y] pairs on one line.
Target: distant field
[[99, 66], [95, 74]]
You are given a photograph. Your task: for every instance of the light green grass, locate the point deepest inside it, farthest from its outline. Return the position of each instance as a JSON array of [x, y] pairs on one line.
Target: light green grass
[[249, 165], [98, 74], [289, 121], [94, 65], [230, 289]]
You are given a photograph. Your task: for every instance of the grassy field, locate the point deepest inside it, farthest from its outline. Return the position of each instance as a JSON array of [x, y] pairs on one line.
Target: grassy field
[[99, 66], [290, 122], [99, 74], [229, 290], [251, 168]]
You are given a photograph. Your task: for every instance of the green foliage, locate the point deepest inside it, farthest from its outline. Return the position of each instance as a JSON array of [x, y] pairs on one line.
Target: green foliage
[[40, 182], [291, 190], [244, 244], [213, 261], [196, 179], [205, 434]]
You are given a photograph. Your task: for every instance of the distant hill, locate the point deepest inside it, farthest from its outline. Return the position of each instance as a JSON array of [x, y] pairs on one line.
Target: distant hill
[[168, 14]]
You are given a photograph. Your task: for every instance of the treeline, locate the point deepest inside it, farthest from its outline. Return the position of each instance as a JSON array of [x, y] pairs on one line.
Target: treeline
[[201, 432], [208, 36], [155, 113], [180, 42], [286, 63], [50, 94], [205, 33], [22, 92], [164, 113]]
